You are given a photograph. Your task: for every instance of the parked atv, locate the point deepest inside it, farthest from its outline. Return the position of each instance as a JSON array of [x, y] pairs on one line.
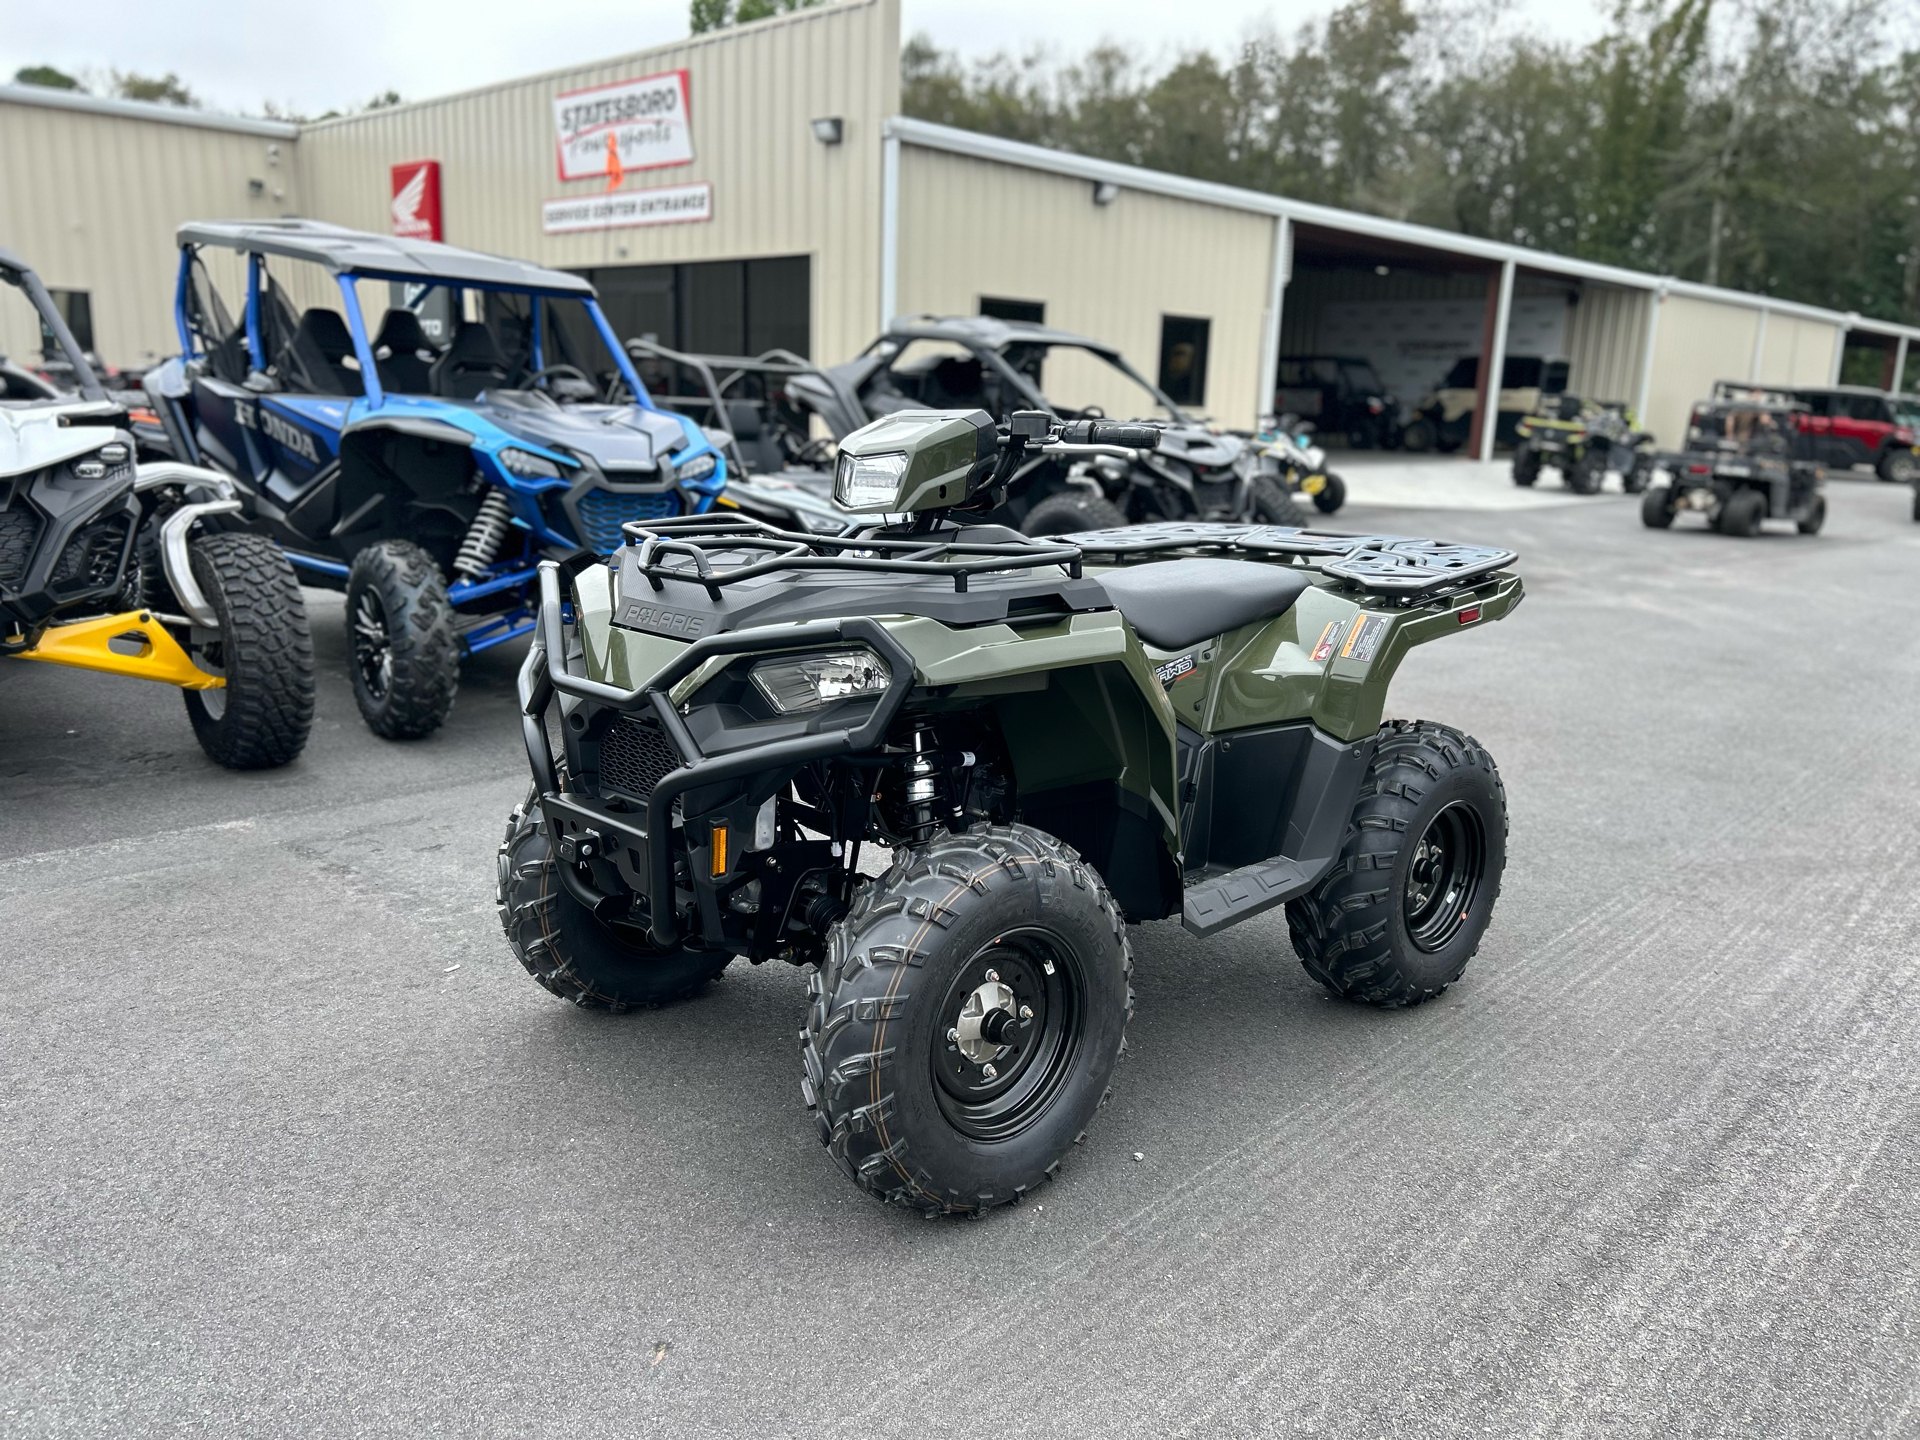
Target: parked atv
[[1286, 453], [1053, 738], [426, 466], [1443, 420], [110, 565], [1584, 440], [1340, 395], [1196, 473], [1742, 464]]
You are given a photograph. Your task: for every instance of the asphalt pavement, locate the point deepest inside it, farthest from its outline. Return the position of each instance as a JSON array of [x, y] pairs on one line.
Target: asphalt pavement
[[290, 1145]]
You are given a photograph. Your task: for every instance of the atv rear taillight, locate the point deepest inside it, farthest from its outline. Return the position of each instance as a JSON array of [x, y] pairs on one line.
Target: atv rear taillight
[[1699, 469], [1470, 614]]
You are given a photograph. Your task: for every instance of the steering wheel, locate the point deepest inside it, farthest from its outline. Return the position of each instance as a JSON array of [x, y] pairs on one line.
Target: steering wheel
[[574, 371]]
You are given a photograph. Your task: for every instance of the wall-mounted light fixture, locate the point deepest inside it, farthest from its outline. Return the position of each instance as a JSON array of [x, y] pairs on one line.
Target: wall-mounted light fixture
[[1105, 192], [256, 187], [829, 130]]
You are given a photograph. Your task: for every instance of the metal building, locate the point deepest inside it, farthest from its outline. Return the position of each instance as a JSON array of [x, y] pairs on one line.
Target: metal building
[[763, 190]]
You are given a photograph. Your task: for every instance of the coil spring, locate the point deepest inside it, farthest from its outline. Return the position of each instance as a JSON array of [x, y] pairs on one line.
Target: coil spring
[[924, 791], [484, 535]]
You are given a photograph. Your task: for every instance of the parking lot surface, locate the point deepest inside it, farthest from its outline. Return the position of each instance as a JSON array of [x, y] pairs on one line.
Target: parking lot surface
[[289, 1144]]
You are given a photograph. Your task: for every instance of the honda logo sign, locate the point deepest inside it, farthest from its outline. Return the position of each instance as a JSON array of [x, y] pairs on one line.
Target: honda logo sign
[[416, 200]]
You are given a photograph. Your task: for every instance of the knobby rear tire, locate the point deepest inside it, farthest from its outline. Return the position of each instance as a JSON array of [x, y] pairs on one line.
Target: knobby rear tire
[[421, 633], [1071, 511], [262, 716], [1273, 505], [1354, 931]]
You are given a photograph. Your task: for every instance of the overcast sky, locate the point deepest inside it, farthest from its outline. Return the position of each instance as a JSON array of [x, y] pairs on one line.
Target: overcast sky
[[310, 57]]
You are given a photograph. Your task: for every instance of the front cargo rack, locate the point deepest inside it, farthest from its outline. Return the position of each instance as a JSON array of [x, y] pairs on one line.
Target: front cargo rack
[[1399, 565], [684, 548]]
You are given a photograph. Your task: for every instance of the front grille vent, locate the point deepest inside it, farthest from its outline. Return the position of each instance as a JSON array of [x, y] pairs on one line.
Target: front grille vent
[[634, 758], [91, 559], [19, 530], [603, 512]]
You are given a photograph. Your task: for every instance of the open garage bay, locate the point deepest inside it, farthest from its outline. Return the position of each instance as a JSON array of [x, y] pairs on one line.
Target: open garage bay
[[290, 1145]]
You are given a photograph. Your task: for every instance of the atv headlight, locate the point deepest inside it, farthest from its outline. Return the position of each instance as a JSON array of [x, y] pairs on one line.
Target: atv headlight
[[528, 466], [697, 468], [868, 482], [806, 682]]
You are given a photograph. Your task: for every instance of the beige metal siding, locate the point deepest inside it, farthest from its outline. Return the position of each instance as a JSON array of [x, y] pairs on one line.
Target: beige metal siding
[[1606, 336], [970, 228], [1696, 343], [752, 95], [91, 202], [1797, 351]]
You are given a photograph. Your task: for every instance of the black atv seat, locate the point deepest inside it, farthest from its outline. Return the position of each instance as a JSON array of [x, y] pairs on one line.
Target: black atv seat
[[318, 352], [472, 364], [1172, 604]]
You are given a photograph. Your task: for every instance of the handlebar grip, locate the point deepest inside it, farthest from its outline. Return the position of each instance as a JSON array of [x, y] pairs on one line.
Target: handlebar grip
[[1111, 432]]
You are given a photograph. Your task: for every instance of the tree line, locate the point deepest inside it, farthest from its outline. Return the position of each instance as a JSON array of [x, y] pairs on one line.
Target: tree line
[[1771, 146]]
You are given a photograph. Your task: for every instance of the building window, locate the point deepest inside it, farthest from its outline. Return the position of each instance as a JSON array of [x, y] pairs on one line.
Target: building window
[[1034, 312], [76, 308], [1183, 358]]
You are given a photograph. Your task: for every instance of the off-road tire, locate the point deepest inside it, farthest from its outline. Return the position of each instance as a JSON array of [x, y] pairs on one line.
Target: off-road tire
[[1815, 517], [875, 1029], [1916, 502], [1637, 477], [262, 716], [1526, 464], [1272, 504], [1332, 495], [566, 949], [425, 644], [1740, 517], [1420, 436], [1587, 473], [1071, 511], [1354, 931], [1656, 507], [1899, 466]]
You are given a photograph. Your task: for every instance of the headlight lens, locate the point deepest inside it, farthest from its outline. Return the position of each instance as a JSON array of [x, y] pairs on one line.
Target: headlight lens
[[698, 468], [806, 682], [528, 465], [868, 482]]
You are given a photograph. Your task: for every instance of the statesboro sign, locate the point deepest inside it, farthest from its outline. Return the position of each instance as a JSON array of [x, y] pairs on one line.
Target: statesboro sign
[[647, 121]]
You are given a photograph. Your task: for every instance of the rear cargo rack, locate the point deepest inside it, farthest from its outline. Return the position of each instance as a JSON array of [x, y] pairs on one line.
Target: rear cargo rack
[[683, 547], [1399, 565]]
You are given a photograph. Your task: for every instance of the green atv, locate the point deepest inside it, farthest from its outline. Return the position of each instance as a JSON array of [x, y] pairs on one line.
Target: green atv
[[1052, 738], [1583, 440]]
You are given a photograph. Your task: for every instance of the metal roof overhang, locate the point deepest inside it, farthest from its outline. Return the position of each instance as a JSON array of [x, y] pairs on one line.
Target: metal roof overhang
[[1366, 234], [385, 257]]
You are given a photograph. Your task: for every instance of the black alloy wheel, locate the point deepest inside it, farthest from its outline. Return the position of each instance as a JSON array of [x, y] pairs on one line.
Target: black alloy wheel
[[372, 644], [1013, 1032], [1443, 877]]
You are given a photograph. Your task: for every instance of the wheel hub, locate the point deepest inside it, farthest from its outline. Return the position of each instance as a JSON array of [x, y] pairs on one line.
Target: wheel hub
[[1009, 1028], [988, 1017]]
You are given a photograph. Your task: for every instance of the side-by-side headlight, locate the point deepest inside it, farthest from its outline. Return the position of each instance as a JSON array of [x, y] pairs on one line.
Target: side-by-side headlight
[[529, 466], [868, 482], [697, 468], [806, 682]]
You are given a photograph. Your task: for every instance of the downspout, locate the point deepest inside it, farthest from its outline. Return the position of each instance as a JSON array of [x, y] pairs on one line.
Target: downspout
[[1840, 347], [1496, 363], [1655, 299], [1270, 326], [889, 228], [1899, 365], [1759, 346]]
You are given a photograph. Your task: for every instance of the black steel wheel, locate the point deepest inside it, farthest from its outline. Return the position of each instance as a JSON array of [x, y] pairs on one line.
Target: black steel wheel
[[967, 1019], [404, 652], [1401, 912]]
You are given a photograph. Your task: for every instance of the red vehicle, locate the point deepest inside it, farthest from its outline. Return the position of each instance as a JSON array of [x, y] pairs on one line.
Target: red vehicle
[[1848, 425]]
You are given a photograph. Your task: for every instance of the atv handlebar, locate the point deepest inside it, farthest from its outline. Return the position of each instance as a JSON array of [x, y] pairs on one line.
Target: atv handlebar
[[1111, 432]]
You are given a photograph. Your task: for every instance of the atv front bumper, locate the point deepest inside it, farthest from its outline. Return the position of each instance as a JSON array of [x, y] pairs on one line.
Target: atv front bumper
[[584, 828]]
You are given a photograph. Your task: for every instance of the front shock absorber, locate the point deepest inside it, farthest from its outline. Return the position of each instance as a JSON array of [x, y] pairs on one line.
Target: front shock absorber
[[924, 800], [482, 542]]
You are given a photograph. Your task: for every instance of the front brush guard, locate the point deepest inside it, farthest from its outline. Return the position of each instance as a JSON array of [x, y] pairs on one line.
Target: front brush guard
[[540, 677]]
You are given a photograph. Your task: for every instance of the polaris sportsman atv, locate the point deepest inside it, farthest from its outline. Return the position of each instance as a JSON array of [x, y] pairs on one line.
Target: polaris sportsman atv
[[1744, 462], [1053, 738], [107, 564], [969, 361], [1583, 440], [424, 466]]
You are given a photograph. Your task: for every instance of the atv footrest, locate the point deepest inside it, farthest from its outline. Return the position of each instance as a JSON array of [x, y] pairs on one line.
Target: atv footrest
[[1213, 904]]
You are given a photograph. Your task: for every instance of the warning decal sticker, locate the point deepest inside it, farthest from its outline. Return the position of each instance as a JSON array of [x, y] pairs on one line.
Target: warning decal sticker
[[1329, 637], [1365, 638]]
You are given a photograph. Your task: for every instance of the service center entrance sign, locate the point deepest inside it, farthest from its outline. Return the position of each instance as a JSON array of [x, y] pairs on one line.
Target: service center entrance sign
[[663, 205], [416, 200], [646, 122]]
